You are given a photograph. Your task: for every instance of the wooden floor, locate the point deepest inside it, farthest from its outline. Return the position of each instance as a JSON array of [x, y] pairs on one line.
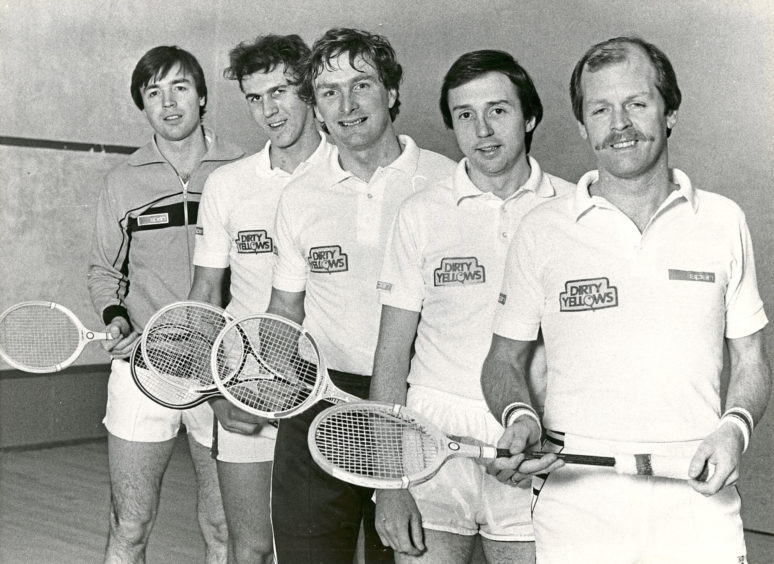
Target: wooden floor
[[54, 509]]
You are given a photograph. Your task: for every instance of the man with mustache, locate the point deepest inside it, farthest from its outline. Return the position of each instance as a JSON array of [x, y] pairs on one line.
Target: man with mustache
[[637, 281]]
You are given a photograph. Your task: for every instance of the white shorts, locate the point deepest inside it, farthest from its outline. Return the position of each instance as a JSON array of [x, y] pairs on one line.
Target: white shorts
[[462, 498], [132, 416], [239, 448], [585, 514]]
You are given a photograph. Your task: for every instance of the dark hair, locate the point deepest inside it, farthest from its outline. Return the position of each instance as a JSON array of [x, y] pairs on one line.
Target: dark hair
[[616, 50], [158, 62], [374, 49], [477, 63], [266, 53]]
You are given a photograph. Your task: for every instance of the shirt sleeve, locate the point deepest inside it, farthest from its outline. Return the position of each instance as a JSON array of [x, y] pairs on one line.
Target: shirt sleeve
[[401, 283], [744, 308], [522, 299], [290, 268], [213, 242], [106, 280]]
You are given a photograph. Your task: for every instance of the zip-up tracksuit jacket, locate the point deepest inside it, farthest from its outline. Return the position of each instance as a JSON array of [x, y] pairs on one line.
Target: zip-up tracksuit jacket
[[144, 232]]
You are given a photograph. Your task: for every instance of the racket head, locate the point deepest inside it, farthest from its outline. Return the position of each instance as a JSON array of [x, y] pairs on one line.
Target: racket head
[[176, 346], [377, 445], [268, 365], [41, 337], [167, 390]]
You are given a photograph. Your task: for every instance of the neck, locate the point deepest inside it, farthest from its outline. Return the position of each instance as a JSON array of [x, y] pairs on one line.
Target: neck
[[363, 163], [640, 197], [288, 158], [502, 185], [184, 155]]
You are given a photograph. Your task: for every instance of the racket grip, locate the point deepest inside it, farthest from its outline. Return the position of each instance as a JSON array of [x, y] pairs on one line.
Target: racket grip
[[659, 465]]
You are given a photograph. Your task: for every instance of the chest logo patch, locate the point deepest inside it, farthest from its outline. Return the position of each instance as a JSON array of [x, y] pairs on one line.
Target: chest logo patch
[[254, 241], [588, 295], [328, 259], [691, 275], [457, 271], [153, 219]]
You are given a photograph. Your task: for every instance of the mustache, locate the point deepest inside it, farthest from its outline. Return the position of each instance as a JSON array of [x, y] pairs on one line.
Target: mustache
[[622, 136]]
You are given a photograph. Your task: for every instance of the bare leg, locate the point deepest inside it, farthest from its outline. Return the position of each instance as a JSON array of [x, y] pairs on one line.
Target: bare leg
[[212, 520], [498, 552], [442, 548], [136, 469], [246, 495]]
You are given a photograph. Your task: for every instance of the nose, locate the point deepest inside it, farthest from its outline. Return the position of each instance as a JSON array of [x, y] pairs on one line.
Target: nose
[[348, 103], [483, 129], [168, 99], [621, 119], [269, 106]]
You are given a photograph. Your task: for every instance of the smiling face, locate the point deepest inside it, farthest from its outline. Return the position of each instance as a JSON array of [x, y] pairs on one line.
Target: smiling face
[[353, 103], [489, 124], [624, 116], [276, 107], [171, 104]]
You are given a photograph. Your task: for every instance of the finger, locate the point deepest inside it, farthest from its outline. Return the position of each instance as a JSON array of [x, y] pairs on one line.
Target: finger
[[417, 533]]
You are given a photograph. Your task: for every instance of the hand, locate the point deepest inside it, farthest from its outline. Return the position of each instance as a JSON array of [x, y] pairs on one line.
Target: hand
[[398, 522], [520, 437], [236, 420], [723, 448], [120, 346]]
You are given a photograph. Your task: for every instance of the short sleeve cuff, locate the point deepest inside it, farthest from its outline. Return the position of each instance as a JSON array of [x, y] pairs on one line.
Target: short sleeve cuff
[[516, 330], [288, 284], [389, 295], [210, 260], [738, 328]]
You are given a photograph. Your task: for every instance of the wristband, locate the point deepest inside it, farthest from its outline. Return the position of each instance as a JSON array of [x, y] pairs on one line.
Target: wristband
[[742, 412], [515, 410], [740, 423]]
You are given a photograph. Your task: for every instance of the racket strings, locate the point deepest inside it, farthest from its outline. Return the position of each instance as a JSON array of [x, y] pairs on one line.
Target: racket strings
[[375, 444], [38, 336], [267, 365], [178, 344]]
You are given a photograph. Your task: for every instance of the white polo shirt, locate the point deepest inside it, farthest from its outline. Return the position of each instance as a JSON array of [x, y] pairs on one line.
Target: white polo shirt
[[331, 232], [634, 323], [236, 224], [446, 258]]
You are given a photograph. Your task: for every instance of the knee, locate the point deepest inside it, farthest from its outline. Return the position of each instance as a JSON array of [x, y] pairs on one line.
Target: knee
[[131, 529], [254, 551]]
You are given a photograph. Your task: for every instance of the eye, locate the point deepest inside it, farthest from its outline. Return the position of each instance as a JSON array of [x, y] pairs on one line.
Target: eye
[[498, 111], [598, 111], [362, 86], [464, 115], [253, 99], [181, 88], [151, 93], [278, 92], [637, 105]]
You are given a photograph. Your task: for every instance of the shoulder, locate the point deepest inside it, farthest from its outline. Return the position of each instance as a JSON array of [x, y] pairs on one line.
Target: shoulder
[[234, 169], [434, 165], [438, 194], [560, 185]]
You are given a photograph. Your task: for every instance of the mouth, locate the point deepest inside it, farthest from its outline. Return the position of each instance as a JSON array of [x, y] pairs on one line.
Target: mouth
[[173, 117], [625, 144], [352, 122], [277, 124], [488, 149]]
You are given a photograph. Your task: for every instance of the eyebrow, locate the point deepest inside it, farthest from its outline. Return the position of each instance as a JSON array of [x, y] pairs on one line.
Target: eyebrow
[[176, 81], [489, 104], [362, 76], [642, 93]]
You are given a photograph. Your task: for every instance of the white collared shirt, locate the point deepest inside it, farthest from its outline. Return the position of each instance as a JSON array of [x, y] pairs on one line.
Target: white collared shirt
[[634, 322], [445, 259], [236, 224], [331, 231]]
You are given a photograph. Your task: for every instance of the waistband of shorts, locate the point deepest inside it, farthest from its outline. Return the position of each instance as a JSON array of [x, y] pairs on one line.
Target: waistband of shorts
[[436, 395], [569, 442], [355, 384]]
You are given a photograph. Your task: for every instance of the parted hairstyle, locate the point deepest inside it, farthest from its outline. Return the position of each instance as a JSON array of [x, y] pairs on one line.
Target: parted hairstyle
[[266, 53], [374, 49], [616, 50], [157, 62], [477, 63]]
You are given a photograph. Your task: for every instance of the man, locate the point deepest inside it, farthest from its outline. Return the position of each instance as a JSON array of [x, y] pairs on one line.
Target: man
[[636, 281], [237, 231], [332, 225], [438, 288], [140, 262]]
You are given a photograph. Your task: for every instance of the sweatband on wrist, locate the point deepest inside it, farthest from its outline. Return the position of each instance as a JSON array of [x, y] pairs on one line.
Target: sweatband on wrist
[[517, 409], [740, 423]]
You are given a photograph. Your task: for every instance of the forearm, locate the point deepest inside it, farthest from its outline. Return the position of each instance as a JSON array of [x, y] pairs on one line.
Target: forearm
[[207, 285], [289, 305], [504, 374], [392, 358], [749, 386]]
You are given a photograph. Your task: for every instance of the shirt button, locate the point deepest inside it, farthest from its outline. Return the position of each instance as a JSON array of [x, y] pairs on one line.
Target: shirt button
[[370, 196], [505, 235]]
